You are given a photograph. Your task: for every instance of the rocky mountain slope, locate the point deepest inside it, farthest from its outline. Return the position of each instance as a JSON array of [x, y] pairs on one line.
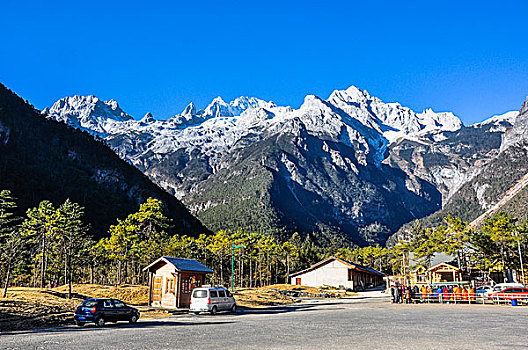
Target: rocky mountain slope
[[498, 184], [449, 159], [44, 159], [249, 163]]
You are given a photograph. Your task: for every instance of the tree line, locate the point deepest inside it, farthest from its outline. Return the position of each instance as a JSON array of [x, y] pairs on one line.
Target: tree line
[[50, 245]]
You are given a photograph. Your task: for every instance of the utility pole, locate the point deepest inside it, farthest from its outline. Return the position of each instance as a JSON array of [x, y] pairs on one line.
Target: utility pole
[[520, 256], [234, 247]]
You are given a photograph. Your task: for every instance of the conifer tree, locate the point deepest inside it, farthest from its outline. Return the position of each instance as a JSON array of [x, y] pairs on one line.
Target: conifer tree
[[11, 240]]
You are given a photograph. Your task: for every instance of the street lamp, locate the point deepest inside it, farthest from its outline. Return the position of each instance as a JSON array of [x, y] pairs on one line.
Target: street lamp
[[234, 247]]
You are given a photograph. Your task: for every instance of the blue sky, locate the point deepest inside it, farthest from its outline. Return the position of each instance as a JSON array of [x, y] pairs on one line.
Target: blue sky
[[469, 57]]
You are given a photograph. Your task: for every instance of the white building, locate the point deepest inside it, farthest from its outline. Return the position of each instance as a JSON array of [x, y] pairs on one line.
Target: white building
[[338, 273]]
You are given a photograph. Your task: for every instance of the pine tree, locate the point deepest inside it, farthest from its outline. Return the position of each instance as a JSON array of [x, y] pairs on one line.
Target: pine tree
[[11, 240], [38, 228], [70, 232]]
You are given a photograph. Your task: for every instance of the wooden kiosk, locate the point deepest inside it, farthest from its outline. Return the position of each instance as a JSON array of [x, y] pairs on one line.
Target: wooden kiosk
[[171, 281]]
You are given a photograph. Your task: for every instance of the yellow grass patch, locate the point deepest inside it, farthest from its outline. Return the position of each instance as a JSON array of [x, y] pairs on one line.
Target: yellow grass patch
[[130, 294]]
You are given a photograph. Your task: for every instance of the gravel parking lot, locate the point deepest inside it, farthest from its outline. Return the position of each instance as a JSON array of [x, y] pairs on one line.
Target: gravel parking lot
[[338, 324]]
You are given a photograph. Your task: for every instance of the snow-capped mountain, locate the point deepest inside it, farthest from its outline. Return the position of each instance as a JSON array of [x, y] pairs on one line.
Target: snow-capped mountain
[[87, 112], [349, 115], [325, 160]]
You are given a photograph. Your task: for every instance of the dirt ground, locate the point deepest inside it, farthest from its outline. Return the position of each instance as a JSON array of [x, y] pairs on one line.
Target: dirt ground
[[261, 297], [29, 308]]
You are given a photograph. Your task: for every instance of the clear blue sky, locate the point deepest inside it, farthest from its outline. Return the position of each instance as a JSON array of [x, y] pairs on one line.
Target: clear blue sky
[[469, 57]]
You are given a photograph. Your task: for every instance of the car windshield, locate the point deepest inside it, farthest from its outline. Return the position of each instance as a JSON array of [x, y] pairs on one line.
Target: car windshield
[[89, 303], [200, 294]]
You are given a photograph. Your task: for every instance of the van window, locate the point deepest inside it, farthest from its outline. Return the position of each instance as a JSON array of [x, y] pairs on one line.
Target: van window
[[221, 294], [228, 293], [214, 294], [200, 293]]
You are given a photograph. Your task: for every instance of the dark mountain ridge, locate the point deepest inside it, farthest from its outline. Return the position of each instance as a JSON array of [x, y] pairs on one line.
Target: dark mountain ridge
[[45, 159]]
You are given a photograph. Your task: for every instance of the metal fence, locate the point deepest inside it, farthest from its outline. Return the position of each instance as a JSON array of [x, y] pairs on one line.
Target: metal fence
[[466, 298]]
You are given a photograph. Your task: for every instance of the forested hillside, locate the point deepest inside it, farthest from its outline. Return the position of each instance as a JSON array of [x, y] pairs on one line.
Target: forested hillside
[[44, 159]]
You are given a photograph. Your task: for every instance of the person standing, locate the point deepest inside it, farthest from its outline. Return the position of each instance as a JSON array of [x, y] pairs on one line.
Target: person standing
[[408, 295], [424, 293], [471, 294], [445, 295]]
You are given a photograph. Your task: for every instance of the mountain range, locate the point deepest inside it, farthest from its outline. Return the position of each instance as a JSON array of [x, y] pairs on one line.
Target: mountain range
[[351, 165]]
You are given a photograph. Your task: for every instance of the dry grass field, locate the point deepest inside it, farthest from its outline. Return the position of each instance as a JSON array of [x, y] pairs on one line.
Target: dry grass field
[[28, 308]]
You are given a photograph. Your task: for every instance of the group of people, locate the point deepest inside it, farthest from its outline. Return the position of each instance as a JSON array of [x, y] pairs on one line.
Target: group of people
[[443, 294]]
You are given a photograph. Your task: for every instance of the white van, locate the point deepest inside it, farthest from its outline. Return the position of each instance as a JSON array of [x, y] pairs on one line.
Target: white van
[[212, 299], [501, 286]]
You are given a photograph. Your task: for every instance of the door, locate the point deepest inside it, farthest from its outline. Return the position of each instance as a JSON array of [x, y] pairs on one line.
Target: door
[[215, 300], [298, 281], [109, 312], [185, 291], [123, 312], [156, 290], [222, 305]]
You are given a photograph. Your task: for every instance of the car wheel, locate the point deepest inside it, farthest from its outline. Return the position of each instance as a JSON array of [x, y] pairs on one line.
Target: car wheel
[[100, 322], [234, 308], [80, 324], [213, 310], [133, 319]]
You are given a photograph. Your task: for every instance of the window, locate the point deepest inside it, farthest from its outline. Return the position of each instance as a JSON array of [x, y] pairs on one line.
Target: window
[[200, 294], [221, 294], [89, 303], [117, 303], [214, 294], [228, 293], [350, 274], [108, 304]]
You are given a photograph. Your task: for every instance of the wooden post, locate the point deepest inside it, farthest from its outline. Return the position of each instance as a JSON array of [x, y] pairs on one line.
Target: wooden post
[[178, 296]]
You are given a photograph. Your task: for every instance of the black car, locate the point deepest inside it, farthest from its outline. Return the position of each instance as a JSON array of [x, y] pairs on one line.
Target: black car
[[102, 310]]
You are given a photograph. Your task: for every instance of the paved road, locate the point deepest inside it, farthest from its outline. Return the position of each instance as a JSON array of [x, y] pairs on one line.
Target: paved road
[[352, 324]]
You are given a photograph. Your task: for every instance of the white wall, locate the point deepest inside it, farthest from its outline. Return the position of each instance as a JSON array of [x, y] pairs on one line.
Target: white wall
[[334, 274]]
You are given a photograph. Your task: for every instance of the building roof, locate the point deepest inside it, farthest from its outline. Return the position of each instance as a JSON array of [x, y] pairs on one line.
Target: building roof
[[449, 266], [332, 258], [181, 264]]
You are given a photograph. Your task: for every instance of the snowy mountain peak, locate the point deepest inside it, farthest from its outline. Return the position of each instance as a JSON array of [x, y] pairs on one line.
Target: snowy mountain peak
[[148, 118], [218, 108], [351, 95], [508, 117], [391, 119], [190, 110], [87, 112], [243, 102], [524, 108]]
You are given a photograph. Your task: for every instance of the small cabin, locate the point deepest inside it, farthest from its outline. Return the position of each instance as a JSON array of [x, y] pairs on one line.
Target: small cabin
[[444, 272], [338, 273], [171, 281]]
